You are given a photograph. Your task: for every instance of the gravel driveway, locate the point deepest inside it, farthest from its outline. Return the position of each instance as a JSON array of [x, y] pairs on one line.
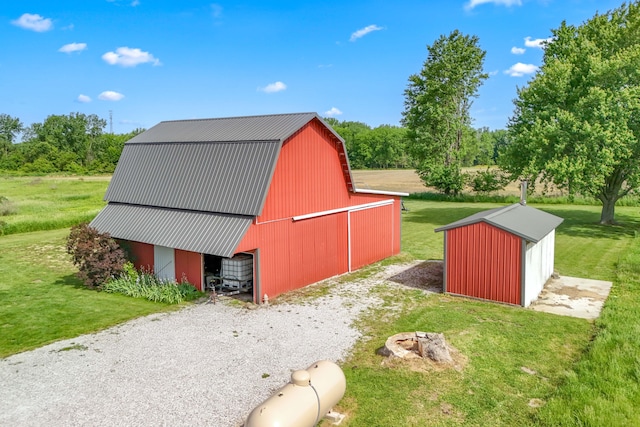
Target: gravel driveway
[[204, 365]]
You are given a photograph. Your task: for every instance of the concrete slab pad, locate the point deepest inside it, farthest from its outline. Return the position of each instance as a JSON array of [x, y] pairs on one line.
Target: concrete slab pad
[[573, 296]]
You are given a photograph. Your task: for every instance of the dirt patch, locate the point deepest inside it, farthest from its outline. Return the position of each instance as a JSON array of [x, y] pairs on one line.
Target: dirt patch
[[427, 275], [52, 256], [575, 293], [418, 364]]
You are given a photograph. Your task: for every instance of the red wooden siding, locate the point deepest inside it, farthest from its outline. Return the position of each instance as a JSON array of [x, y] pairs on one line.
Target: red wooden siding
[[484, 262], [308, 176], [189, 265], [295, 254], [371, 235], [142, 255]]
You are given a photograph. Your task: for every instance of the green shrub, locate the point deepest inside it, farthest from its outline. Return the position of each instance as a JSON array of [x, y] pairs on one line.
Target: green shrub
[[488, 181], [6, 207], [97, 256], [39, 165], [144, 284], [445, 178]]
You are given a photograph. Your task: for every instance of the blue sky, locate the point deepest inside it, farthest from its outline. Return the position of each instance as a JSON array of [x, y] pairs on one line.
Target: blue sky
[[153, 60]]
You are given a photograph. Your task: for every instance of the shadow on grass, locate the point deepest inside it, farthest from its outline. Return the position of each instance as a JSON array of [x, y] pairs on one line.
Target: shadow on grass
[[577, 222], [72, 281]]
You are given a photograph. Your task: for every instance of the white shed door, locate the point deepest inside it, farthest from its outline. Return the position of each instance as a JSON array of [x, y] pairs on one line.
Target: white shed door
[[164, 264]]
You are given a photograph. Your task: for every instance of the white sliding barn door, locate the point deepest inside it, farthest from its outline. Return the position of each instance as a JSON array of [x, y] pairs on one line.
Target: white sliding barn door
[[164, 263]]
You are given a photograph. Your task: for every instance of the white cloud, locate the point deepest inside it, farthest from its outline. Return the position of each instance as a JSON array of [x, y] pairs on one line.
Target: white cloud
[[83, 98], [519, 69], [538, 43], [493, 73], [332, 112], [216, 10], [473, 3], [109, 95], [132, 3], [364, 31], [518, 50], [33, 22], [73, 47], [273, 87], [127, 57]]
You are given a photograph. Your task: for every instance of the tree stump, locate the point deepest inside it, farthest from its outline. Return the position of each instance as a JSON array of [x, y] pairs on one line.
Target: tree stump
[[433, 346]]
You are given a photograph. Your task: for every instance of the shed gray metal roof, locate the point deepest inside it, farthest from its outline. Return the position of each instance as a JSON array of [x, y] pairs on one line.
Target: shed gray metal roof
[[524, 221], [202, 232]]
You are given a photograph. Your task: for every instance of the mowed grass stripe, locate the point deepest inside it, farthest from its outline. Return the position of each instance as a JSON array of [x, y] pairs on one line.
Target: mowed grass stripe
[[43, 301]]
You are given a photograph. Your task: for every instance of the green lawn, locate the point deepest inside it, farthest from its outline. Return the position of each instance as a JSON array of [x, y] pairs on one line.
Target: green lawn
[[584, 248], [49, 203], [490, 387], [584, 373], [41, 299]]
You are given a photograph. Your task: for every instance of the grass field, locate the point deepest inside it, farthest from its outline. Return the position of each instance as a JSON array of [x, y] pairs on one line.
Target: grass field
[[584, 374], [49, 203]]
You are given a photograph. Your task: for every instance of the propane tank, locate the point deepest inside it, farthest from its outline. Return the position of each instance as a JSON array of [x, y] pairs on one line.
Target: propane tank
[[304, 401]]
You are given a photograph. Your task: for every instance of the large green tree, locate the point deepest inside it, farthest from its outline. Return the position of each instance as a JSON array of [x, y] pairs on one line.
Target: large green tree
[[437, 104], [76, 133], [577, 123], [10, 128]]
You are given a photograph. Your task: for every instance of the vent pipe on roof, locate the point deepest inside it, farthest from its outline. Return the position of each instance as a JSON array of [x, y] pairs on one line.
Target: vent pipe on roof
[[523, 192]]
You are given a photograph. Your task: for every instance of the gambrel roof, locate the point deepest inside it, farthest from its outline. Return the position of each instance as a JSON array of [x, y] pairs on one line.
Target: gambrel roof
[[181, 178], [524, 221]]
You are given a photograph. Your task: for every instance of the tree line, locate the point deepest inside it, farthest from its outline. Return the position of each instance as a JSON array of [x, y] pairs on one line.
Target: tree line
[[74, 143], [387, 147], [77, 143]]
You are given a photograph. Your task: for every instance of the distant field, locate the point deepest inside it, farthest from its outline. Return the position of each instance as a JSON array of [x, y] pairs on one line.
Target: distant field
[[402, 180], [408, 181]]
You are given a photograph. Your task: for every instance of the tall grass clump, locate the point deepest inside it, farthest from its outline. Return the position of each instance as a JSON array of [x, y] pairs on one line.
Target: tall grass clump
[[603, 387], [7, 207], [144, 284]]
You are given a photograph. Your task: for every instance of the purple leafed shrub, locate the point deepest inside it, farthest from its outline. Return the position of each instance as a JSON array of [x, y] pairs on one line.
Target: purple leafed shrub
[[97, 256]]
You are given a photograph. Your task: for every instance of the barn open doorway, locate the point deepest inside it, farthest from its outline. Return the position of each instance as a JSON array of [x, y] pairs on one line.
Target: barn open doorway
[[230, 276]]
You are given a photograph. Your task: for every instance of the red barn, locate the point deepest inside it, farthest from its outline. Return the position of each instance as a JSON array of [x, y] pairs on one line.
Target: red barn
[[262, 202], [504, 254]]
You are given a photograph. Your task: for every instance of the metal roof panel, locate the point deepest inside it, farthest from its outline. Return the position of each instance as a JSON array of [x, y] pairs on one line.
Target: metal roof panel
[[228, 178], [275, 127], [202, 232]]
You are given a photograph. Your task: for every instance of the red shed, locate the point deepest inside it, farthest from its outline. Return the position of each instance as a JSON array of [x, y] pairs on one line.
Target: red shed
[[265, 203], [504, 254]]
